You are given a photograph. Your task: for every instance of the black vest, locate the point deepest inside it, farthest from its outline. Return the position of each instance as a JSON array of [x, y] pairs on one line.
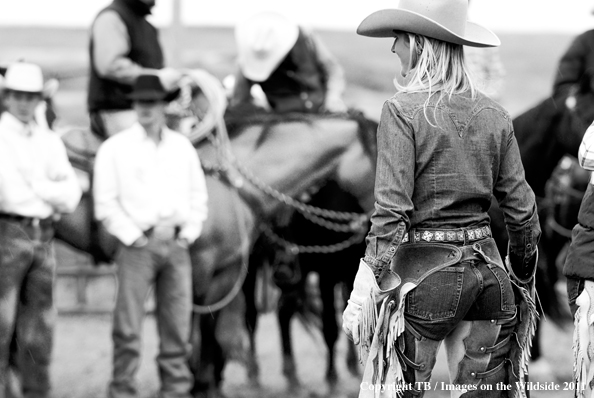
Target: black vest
[[298, 84], [145, 50]]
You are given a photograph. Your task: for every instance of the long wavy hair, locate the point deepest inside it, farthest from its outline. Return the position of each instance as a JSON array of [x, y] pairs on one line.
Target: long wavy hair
[[436, 67]]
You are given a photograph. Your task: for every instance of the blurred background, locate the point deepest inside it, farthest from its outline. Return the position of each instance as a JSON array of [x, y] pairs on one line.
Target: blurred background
[[199, 34]]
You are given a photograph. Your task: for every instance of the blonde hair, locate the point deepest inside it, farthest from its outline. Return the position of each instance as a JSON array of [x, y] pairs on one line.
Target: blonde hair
[[436, 66]]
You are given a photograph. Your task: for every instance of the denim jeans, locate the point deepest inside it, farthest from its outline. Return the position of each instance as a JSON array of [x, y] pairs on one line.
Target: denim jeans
[[27, 267], [470, 305], [166, 265]]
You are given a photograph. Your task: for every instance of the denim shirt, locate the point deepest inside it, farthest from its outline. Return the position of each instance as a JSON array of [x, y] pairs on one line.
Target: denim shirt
[[443, 173]]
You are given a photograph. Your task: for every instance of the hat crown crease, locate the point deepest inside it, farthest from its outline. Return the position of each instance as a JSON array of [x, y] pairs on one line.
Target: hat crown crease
[[452, 14]]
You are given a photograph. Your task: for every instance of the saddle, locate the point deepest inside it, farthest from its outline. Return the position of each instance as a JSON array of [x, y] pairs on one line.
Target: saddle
[[81, 147]]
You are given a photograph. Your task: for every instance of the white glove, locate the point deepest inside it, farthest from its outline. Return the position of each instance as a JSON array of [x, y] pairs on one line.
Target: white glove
[[366, 293], [169, 78]]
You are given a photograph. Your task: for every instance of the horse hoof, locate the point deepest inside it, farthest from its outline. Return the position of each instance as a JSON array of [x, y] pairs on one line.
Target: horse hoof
[[294, 385]]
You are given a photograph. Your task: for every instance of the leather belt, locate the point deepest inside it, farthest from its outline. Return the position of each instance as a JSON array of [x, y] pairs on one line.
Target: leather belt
[[28, 221], [460, 235]]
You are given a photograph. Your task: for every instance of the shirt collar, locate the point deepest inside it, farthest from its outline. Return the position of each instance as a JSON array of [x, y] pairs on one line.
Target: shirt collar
[[140, 132], [15, 125]]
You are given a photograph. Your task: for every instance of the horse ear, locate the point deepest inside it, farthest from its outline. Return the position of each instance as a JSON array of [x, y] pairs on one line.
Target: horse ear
[[50, 88]]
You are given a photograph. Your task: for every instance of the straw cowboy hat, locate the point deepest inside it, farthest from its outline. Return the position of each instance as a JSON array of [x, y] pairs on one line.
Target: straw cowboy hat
[[150, 88], [444, 20], [263, 41], [26, 77]]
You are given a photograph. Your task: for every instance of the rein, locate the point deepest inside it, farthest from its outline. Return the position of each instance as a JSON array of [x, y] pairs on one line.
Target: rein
[[237, 286]]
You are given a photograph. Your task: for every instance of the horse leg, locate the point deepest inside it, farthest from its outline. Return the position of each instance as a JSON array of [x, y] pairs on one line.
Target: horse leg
[[204, 352], [257, 258], [329, 326], [13, 382], [352, 358], [287, 306]]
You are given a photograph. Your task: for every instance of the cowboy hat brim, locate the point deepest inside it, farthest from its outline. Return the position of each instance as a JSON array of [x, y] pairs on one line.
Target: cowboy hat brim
[[154, 95], [383, 23]]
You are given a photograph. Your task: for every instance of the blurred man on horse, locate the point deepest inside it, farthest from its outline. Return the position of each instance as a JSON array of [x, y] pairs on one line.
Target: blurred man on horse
[[150, 193], [294, 69], [37, 184], [123, 46], [574, 82]]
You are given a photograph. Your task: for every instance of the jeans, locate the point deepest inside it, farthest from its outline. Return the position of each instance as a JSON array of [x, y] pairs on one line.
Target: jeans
[[27, 267], [471, 306], [166, 265]]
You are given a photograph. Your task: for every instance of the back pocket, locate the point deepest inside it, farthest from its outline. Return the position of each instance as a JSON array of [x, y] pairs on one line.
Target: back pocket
[[438, 295]]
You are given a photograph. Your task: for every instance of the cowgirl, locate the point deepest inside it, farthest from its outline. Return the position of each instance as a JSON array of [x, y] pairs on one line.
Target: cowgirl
[[444, 149]]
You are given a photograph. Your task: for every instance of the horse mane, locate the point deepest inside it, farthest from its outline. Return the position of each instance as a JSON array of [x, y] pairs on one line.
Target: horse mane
[[239, 118]]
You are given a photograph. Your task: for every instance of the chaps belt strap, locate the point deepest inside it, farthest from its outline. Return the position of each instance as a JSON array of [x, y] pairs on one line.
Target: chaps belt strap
[[414, 262]]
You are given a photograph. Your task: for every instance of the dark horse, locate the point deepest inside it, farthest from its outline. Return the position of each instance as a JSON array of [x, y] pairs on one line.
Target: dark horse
[[328, 247], [264, 161], [333, 253], [545, 133]]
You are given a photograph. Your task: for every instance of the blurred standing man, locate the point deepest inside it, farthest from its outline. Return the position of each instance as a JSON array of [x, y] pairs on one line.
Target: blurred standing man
[[295, 71], [123, 46], [37, 184], [150, 193]]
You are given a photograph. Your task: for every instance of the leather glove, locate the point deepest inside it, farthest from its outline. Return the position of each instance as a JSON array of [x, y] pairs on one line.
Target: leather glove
[[365, 295], [522, 271]]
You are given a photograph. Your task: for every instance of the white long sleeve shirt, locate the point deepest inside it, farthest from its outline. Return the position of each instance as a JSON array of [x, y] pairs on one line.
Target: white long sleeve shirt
[[140, 184], [36, 178]]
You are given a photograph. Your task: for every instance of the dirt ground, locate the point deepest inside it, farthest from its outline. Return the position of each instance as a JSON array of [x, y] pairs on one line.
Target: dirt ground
[[82, 362]]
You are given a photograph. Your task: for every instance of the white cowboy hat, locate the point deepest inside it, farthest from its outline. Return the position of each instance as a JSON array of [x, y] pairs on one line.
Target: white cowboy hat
[[440, 19], [263, 41], [22, 76]]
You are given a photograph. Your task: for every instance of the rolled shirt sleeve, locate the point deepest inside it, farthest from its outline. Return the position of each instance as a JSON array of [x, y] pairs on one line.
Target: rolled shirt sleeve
[[111, 46]]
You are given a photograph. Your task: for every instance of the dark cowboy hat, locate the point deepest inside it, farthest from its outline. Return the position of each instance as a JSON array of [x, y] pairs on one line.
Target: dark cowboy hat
[[150, 88]]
